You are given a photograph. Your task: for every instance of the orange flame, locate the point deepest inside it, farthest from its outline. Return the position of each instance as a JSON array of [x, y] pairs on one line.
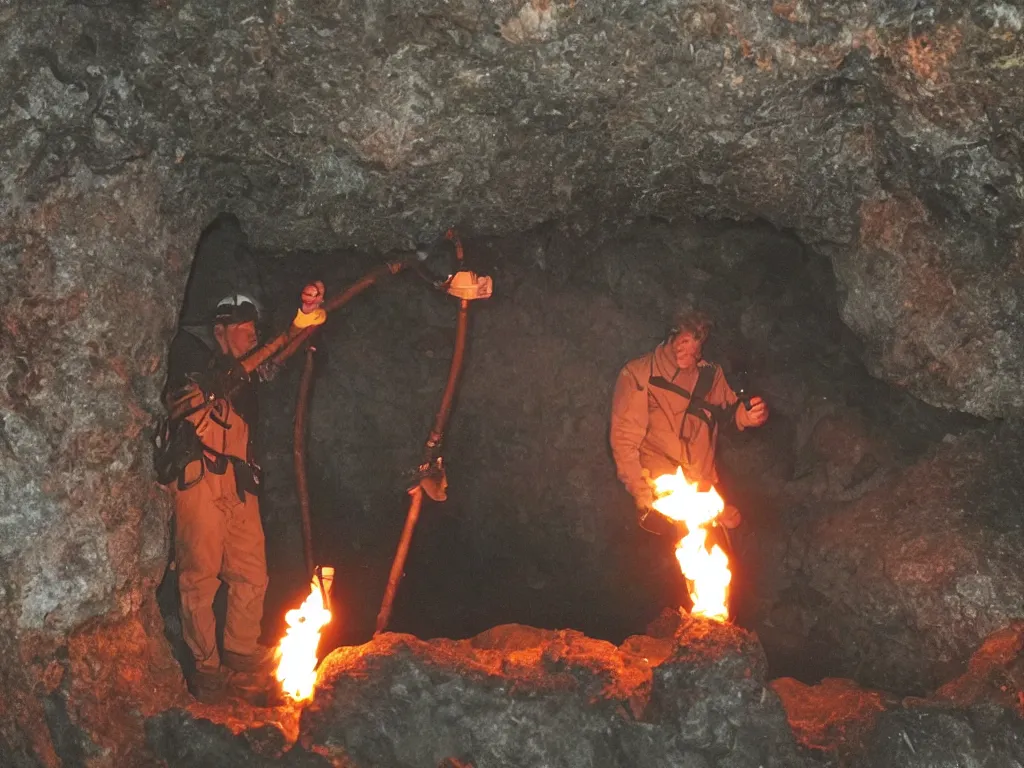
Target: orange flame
[[296, 671], [707, 572]]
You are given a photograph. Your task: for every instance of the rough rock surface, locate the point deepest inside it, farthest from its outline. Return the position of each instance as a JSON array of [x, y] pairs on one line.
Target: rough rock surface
[[689, 693], [886, 137], [231, 735], [915, 574], [517, 696], [883, 135], [83, 529], [976, 719]]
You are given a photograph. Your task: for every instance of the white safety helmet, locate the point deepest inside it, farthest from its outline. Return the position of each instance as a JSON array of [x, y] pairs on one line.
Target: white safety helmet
[[237, 308]]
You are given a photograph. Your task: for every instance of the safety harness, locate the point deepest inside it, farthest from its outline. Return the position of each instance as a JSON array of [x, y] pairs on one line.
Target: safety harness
[[177, 445], [698, 405]]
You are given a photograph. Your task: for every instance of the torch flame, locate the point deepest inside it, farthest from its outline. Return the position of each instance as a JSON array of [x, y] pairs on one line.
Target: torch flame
[[296, 670], [707, 572]]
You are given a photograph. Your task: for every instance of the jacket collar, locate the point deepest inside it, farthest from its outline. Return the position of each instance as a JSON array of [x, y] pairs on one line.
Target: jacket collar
[[664, 361]]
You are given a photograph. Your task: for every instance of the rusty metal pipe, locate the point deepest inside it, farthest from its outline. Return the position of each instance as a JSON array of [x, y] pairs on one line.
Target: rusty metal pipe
[[286, 344], [429, 450], [398, 565], [454, 372], [299, 456]]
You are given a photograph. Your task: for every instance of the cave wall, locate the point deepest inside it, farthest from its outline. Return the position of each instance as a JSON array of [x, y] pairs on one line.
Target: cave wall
[[921, 570], [884, 136], [89, 278]]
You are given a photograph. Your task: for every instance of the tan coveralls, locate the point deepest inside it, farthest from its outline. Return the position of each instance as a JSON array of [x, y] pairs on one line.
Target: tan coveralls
[[218, 536], [650, 428]]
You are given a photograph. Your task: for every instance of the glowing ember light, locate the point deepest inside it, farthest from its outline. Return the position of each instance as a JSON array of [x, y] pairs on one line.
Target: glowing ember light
[[707, 572], [296, 670]]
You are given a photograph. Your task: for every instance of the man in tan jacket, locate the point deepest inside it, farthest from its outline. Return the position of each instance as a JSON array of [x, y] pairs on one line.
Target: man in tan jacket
[[666, 413]]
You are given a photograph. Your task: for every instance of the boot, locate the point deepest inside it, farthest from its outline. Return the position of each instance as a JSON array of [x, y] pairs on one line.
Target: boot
[[262, 660], [208, 685], [261, 689]]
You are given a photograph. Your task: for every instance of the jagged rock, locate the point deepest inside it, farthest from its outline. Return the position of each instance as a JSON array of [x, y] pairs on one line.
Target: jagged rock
[[88, 279], [833, 719], [235, 735], [916, 573], [518, 696], [976, 719]]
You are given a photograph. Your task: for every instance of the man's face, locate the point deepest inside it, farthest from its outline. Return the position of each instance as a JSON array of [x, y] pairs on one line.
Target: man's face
[[686, 349], [237, 339]]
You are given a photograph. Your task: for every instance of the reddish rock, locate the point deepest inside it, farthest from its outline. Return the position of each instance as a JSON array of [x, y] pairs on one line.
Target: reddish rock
[[517, 696], [834, 717]]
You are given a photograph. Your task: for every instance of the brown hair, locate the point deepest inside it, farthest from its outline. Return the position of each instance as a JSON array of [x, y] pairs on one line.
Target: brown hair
[[693, 321]]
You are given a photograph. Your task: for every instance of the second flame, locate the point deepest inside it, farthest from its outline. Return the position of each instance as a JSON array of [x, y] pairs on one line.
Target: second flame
[[296, 669], [707, 572]]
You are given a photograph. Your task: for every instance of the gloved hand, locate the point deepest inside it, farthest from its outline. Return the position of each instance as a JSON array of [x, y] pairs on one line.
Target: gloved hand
[[753, 415], [311, 313], [268, 369]]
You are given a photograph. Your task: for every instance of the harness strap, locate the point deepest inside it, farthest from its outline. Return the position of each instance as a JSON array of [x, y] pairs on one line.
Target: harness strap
[[662, 383], [698, 406]]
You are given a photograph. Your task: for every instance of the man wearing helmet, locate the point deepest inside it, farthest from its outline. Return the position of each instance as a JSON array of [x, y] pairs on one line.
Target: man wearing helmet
[[666, 413], [218, 532]]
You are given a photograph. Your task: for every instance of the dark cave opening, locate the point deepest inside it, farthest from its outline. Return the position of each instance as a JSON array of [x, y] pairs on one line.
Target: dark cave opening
[[537, 529]]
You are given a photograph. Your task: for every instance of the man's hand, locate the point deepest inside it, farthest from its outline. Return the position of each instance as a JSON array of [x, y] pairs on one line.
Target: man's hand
[[312, 297], [268, 369], [754, 416], [644, 497]]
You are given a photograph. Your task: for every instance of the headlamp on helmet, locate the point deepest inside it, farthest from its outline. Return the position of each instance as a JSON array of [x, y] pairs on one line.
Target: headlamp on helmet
[[237, 308]]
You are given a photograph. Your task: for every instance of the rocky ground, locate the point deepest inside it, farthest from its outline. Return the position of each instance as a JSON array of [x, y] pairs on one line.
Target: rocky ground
[[690, 693]]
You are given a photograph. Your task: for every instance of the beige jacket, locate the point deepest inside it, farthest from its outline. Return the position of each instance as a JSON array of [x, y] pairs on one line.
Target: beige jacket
[[650, 428]]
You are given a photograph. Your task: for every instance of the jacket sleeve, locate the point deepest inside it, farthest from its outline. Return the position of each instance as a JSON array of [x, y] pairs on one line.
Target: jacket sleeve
[[628, 429]]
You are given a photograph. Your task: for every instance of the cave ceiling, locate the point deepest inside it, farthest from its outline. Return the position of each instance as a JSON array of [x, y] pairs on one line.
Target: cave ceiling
[[886, 135]]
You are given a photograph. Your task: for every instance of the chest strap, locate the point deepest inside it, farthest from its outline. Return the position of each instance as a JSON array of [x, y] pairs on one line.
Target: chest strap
[[697, 405]]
